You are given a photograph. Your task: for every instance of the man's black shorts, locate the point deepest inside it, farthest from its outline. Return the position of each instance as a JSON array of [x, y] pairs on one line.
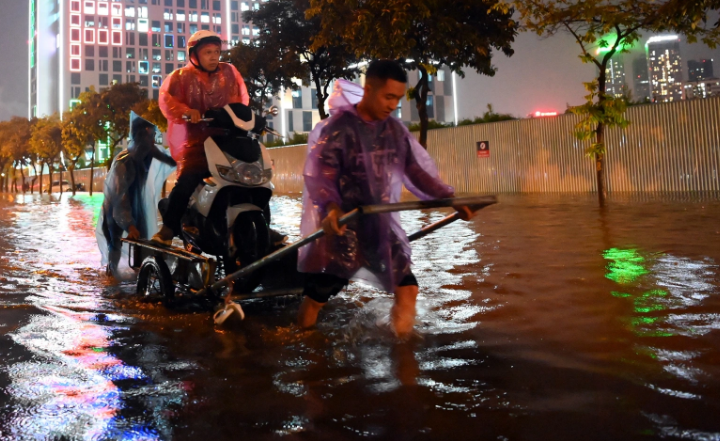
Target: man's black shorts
[[320, 287]]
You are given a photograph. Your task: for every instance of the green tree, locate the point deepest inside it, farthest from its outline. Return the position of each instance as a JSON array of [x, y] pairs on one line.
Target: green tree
[[602, 29], [288, 35], [265, 69], [149, 109], [423, 34], [17, 141], [46, 143], [119, 100], [88, 119]]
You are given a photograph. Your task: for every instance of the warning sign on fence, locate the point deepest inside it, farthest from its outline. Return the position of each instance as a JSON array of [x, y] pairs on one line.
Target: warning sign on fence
[[483, 149]]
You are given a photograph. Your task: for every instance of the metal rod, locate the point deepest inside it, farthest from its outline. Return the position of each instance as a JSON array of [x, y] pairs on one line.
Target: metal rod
[[474, 201], [447, 220], [173, 251], [265, 294]]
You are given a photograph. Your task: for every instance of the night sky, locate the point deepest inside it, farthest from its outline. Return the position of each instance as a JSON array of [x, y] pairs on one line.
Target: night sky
[[544, 74]]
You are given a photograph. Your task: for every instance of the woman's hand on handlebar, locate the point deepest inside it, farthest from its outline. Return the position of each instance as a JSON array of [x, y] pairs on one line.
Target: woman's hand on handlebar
[[193, 116]]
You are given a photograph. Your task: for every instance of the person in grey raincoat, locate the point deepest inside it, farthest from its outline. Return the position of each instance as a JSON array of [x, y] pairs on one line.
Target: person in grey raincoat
[[132, 190]]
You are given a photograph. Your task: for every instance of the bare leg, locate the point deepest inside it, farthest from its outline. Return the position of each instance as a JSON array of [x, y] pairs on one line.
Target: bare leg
[[308, 313], [403, 311]]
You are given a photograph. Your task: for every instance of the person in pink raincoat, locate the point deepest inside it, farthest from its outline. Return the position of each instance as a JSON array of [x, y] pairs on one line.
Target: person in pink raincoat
[[363, 156], [185, 96]]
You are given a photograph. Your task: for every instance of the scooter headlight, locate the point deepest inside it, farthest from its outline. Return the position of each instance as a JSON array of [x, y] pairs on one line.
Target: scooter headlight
[[244, 173]]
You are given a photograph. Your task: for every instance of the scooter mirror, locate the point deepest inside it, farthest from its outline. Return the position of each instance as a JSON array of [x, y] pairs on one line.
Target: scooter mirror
[[273, 110]]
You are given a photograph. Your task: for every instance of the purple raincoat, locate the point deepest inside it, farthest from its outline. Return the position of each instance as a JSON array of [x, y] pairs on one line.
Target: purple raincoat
[[363, 163]]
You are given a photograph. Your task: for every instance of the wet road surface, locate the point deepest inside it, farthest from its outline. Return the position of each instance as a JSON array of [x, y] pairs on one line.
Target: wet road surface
[[544, 318]]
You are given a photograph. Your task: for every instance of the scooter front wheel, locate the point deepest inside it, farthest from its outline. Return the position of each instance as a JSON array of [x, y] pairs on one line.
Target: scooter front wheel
[[155, 281]]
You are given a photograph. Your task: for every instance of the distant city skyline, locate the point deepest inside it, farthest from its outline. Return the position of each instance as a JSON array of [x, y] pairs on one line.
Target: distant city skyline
[[545, 74]]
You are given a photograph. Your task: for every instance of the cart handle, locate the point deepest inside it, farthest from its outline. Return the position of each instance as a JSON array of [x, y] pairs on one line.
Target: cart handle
[[476, 202]]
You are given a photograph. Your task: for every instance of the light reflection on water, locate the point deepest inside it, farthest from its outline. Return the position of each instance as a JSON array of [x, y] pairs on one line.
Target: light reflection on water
[[542, 319]]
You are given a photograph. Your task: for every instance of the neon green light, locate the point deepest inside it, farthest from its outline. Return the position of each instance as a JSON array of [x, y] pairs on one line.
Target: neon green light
[[625, 266]]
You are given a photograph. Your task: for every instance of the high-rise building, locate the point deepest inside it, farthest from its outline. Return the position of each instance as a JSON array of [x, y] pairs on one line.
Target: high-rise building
[[76, 44], [706, 88], [665, 68], [641, 82], [615, 84], [700, 69]]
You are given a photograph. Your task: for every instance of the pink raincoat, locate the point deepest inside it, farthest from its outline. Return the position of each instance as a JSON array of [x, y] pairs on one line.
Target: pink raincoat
[[191, 88], [352, 163]]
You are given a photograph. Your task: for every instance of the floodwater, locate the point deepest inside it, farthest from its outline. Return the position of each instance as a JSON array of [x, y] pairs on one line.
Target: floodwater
[[542, 319]]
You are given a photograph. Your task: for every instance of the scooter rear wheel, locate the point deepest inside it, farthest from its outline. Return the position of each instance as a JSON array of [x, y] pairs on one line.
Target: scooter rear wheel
[[155, 281], [252, 240]]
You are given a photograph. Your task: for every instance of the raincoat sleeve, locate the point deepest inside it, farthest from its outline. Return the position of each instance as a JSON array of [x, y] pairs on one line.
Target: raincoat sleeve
[[322, 169], [242, 94], [421, 174], [122, 203], [172, 99]]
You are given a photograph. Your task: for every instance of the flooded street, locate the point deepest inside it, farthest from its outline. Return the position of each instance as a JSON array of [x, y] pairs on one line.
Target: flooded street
[[544, 318]]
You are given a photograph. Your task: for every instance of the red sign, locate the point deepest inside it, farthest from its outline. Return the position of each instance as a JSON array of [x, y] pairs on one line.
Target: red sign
[[483, 149]]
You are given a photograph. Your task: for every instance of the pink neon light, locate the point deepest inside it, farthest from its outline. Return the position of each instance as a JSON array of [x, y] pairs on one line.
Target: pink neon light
[[102, 8], [103, 36], [75, 35], [75, 6], [539, 114], [75, 50], [75, 64], [117, 23], [74, 19], [117, 38], [89, 35], [117, 10]]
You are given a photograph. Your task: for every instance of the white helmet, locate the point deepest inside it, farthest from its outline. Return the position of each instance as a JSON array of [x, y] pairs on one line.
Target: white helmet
[[201, 38]]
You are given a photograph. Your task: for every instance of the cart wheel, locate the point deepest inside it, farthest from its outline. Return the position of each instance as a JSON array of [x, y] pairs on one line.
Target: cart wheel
[[154, 280]]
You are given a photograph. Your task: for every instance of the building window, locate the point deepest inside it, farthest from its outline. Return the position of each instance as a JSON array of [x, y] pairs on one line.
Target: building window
[[129, 78], [441, 75], [75, 50], [169, 55], [129, 11], [216, 5], [244, 6], [193, 28], [181, 28], [89, 7], [117, 23], [246, 41], [205, 17], [103, 65], [143, 54], [156, 40], [75, 35], [103, 80], [155, 26], [193, 16], [117, 52], [130, 24], [130, 53], [89, 51], [116, 10], [143, 81], [169, 67], [74, 19], [307, 121], [168, 26], [142, 40], [181, 56], [156, 81], [204, 4], [75, 77], [130, 67], [156, 55], [102, 36], [291, 127], [297, 99], [180, 3], [103, 51], [168, 15], [204, 27], [169, 41], [89, 64], [75, 6], [130, 38], [246, 30], [117, 38], [314, 98], [180, 16], [90, 36], [103, 22], [234, 5], [168, 2], [75, 66], [156, 68], [143, 12], [89, 21], [217, 19], [102, 8], [256, 31], [117, 79], [235, 28], [181, 41], [192, 3], [142, 25]]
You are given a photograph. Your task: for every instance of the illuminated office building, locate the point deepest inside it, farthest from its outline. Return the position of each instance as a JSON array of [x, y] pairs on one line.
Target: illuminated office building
[[665, 68]]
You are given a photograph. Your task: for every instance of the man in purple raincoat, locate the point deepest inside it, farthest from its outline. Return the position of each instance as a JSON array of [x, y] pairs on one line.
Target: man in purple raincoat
[[363, 156]]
